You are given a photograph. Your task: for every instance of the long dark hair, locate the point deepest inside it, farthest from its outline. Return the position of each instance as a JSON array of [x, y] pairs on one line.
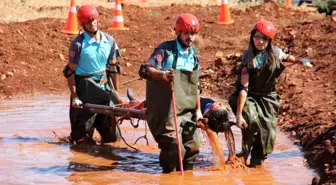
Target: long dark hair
[[273, 60]]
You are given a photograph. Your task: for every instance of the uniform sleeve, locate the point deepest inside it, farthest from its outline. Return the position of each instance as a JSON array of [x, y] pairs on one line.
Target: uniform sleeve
[[115, 52], [74, 51], [279, 53], [157, 59], [244, 67], [244, 58]]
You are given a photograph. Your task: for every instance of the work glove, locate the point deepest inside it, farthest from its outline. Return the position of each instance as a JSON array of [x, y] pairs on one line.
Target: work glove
[[76, 102], [306, 62], [241, 123], [168, 75]]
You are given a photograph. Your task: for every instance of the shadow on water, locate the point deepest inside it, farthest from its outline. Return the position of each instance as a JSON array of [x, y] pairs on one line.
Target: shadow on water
[[54, 170], [286, 154], [123, 159], [119, 159], [21, 139]]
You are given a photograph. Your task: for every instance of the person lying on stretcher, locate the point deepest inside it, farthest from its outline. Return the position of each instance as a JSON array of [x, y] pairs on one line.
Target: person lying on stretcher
[[219, 114]]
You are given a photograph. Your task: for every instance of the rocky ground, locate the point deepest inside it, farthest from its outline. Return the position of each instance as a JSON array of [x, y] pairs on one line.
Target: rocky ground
[[33, 54]]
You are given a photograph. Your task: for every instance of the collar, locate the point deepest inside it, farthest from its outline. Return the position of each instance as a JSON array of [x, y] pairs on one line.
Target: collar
[[181, 51], [263, 53], [103, 37], [90, 40]]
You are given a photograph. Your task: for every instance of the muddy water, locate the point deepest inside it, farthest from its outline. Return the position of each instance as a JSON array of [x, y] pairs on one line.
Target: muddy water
[[30, 154]]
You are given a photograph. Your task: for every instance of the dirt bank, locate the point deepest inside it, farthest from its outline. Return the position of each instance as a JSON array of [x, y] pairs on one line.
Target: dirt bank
[[33, 54]]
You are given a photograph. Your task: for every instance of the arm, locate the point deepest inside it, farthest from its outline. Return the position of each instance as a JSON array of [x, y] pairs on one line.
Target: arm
[[199, 115], [114, 72], [71, 80], [113, 66], [242, 94], [157, 74], [198, 107], [153, 68], [241, 123], [292, 59], [69, 72]]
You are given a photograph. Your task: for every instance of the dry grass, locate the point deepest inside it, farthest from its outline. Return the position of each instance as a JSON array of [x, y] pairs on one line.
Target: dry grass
[[22, 10]]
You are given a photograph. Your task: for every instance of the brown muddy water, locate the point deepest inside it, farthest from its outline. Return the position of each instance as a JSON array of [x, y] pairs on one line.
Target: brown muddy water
[[31, 154]]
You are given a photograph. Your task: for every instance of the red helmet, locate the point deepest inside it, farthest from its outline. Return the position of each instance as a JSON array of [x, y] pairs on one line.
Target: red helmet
[[87, 13], [187, 22], [266, 28]]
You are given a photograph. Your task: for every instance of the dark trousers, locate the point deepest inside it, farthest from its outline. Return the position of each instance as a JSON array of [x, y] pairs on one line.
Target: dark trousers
[[83, 123]]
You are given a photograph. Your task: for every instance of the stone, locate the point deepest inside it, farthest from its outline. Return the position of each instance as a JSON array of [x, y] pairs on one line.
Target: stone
[[3, 77], [61, 56], [309, 52], [238, 55], [218, 62], [10, 74], [219, 54], [209, 71], [128, 64]]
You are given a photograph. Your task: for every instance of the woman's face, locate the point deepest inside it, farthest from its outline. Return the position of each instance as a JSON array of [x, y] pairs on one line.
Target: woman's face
[[260, 41]]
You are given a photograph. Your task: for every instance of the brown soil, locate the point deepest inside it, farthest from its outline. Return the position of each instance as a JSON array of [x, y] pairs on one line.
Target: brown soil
[[33, 54]]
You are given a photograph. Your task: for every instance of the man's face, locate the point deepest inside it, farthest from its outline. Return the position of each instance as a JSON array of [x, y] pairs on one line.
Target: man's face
[[92, 26], [188, 38]]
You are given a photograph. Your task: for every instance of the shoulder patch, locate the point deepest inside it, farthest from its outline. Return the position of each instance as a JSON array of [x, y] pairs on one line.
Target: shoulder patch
[[72, 54], [158, 57], [244, 70]]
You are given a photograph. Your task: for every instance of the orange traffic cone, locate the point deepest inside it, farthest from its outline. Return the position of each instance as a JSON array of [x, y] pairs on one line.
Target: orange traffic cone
[[224, 16], [71, 26], [118, 20], [288, 3]]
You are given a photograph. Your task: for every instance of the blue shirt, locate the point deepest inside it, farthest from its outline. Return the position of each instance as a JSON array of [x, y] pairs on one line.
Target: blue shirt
[[162, 58], [261, 57], [185, 59], [91, 57], [94, 56]]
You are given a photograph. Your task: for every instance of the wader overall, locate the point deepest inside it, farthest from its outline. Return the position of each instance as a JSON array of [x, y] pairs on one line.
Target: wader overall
[[161, 121], [260, 111], [82, 121]]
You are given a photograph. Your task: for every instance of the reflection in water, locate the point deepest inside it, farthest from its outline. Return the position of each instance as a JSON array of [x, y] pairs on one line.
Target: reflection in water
[[30, 154]]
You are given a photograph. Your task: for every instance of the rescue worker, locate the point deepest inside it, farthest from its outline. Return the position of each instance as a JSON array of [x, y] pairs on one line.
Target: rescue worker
[[92, 63], [255, 101], [174, 61]]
